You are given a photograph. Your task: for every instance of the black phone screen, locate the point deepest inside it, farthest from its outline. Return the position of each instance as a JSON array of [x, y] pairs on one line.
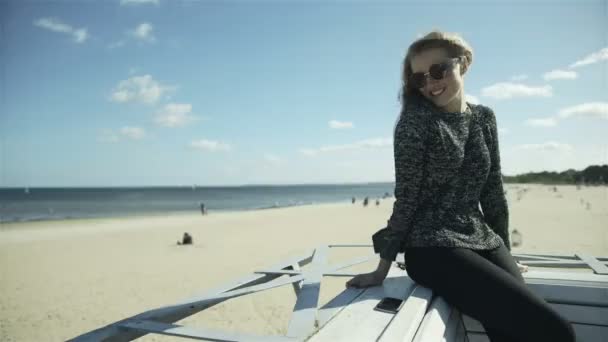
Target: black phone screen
[[388, 304]]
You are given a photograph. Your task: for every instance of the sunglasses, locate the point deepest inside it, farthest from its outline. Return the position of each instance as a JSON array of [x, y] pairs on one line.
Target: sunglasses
[[436, 71]]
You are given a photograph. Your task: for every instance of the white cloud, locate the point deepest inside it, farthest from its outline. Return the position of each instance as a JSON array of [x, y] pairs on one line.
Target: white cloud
[[135, 133], [560, 75], [595, 57], [139, 2], [471, 99], [117, 44], [363, 144], [143, 32], [519, 78], [111, 136], [547, 146], [108, 136], [142, 89], [271, 158], [175, 115], [546, 122], [80, 35], [507, 90], [335, 124], [597, 110], [308, 152], [210, 145]]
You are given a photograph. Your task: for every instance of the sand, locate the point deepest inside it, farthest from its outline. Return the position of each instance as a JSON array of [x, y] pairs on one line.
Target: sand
[[64, 278]]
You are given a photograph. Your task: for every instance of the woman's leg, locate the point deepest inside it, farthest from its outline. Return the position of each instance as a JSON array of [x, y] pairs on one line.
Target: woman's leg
[[488, 293], [502, 258]]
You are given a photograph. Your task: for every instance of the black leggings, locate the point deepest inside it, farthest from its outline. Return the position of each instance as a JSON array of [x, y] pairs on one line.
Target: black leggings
[[488, 286]]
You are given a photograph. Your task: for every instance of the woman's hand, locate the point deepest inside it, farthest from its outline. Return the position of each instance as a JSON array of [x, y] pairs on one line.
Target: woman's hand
[[366, 280], [522, 268]]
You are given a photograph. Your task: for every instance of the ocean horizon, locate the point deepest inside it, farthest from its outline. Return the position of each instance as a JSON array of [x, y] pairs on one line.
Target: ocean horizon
[[25, 204]]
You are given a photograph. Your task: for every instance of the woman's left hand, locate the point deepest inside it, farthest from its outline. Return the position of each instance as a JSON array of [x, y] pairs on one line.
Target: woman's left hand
[[522, 268]]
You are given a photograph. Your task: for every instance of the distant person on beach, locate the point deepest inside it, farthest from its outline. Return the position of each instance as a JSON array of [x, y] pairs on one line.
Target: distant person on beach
[[203, 209], [186, 240], [353, 200], [450, 216], [377, 201], [365, 201]]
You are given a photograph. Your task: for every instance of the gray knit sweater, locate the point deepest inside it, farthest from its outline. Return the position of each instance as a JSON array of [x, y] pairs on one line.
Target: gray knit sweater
[[448, 189]]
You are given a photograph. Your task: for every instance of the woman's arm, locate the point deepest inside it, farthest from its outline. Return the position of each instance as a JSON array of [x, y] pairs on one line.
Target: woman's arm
[[409, 151], [493, 200]]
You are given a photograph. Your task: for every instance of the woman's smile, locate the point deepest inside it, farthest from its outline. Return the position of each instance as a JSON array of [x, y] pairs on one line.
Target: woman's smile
[[437, 92]]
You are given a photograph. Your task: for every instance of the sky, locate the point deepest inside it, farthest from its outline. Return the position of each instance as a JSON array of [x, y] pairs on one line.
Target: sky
[[172, 93]]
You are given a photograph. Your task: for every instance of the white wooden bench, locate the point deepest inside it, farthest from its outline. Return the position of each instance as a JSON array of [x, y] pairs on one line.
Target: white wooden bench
[[582, 298]]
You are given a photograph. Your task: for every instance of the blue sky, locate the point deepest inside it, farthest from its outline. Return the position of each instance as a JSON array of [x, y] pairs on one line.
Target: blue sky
[[120, 93]]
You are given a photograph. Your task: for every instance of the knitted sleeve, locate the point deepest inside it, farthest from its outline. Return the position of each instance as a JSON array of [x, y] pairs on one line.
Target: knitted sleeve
[[493, 200], [409, 149]]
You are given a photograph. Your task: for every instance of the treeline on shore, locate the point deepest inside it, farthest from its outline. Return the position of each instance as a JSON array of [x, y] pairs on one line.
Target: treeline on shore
[[592, 175]]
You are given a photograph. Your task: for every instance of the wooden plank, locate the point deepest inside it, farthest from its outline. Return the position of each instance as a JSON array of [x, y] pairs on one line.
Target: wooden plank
[[583, 314], [173, 313], [584, 333], [359, 321], [304, 315], [472, 325], [297, 286], [590, 333], [597, 266], [197, 333], [358, 314], [544, 256], [405, 324], [336, 305], [478, 337], [574, 314], [555, 264], [280, 272], [570, 294], [350, 245], [461, 332], [434, 324], [452, 326], [341, 274], [577, 276], [355, 261]]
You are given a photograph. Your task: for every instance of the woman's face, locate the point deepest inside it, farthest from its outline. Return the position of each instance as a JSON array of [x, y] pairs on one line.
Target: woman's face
[[446, 93]]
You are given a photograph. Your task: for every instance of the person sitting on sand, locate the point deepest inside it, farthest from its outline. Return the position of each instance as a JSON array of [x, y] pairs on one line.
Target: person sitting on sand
[[186, 240], [450, 216]]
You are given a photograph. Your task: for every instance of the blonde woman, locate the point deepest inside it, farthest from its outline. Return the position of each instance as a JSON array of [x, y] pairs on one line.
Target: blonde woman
[[450, 217]]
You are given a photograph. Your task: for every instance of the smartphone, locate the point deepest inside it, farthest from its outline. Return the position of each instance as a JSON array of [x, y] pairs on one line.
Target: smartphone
[[390, 305]]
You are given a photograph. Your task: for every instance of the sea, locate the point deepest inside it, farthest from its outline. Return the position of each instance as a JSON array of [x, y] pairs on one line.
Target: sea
[[44, 204]]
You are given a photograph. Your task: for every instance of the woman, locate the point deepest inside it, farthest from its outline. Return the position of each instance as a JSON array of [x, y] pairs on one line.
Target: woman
[[450, 217]]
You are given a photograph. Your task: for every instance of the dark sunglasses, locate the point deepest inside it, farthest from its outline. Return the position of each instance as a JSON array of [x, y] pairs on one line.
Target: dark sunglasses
[[436, 71]]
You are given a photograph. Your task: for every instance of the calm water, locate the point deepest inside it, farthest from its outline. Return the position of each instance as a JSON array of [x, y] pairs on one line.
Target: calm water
[[34, 204]]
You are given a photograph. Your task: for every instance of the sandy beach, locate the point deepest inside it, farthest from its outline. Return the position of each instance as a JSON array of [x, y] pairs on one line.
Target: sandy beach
[[63, 278]]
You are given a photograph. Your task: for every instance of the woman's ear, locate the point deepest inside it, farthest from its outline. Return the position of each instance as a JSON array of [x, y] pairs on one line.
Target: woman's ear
[[463, 69]]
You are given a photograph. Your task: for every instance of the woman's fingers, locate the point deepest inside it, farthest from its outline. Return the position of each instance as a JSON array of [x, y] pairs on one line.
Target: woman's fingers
[[354, 282], [522, 268]]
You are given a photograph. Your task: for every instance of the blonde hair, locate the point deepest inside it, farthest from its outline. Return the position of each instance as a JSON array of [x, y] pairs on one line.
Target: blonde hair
[[452, 43]]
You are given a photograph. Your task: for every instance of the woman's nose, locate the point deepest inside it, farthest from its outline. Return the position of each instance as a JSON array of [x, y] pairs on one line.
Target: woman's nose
[[431, 82]]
